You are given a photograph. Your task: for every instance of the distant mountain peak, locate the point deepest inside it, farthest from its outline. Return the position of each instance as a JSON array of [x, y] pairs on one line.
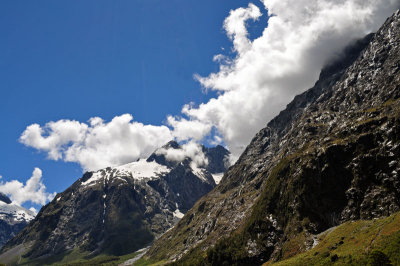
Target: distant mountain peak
[[107, 209], [13, 218], [4, 198], [172, 144]]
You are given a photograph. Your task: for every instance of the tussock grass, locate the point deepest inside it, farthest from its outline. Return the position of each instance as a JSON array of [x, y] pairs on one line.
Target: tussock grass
[[354, 243]]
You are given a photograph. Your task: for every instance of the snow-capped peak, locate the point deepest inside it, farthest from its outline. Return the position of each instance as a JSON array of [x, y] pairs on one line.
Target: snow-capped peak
[[143, 169], [136, 170], [14, 213]]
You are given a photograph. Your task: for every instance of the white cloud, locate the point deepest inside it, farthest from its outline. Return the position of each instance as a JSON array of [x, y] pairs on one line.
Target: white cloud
[[190, 150], [60, 134], [97, 144], [32, 209], [188, 129], [265, 75], [33, 190], [236, 28]]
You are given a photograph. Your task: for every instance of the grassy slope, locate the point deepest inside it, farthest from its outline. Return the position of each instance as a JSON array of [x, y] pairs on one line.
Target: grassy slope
[[354, 243], [76, 258], [363, 242]]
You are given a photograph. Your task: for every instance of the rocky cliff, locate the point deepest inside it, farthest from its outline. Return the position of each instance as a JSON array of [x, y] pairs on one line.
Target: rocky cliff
[[118, 210], [331, 156]]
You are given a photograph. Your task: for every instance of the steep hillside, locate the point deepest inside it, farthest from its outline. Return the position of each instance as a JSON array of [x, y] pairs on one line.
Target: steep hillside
[[362, 242], [330, 157], [117, 210]]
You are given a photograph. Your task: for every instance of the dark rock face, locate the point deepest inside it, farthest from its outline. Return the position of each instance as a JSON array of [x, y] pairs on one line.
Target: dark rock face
[[4, 198], [13, 218], [8, 231], [116, 210], [329, 157], [217, 159]]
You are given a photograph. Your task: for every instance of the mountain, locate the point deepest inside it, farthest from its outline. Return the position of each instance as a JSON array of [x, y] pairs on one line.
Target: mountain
[[330, 157], [13, 218], [118, 210]]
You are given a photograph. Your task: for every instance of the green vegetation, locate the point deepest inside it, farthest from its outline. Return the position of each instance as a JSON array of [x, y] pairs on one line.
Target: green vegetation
[[104, 260], [121, 234], [232, 250], [354, 243], [375, 242], [101, 260], [364, 242], [77, 258], [147, 262]]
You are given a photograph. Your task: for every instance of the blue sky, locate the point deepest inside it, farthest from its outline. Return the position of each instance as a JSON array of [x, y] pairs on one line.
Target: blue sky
[[65, 62], [80, 59]]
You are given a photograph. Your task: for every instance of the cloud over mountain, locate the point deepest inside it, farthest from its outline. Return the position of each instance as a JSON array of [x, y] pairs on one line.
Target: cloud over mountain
[[189, 150], [34, 190], [269, 71], [97, 144], [253, 87]]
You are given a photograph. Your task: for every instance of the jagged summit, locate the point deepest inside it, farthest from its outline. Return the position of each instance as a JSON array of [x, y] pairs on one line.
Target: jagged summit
[[161, 158], [217, 157], [172, 144], [117, 210]]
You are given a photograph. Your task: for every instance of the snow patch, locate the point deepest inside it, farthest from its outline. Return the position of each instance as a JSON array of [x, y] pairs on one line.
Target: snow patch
[[137, 170], [199, 172], [16, 212], [178, 214], [217, 177], [95, 177], [143, 169]]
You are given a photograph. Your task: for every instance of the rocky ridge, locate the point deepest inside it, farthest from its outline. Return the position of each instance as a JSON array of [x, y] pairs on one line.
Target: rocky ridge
[[331, 156], [13, 218], [121, 209]]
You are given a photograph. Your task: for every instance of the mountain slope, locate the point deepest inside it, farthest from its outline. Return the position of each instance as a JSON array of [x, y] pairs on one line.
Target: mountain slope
[[362, 242], [331, 156], [13, 218], [118, 210]]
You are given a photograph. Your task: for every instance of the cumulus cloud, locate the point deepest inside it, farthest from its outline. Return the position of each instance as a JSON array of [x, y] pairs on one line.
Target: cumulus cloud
[[54, 137], [253, 86], [190, 150], [188, 129], [265, 75], [97, 144], [33, 191]]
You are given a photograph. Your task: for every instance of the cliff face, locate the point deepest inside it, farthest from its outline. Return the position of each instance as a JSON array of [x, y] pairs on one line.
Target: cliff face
[[331, 156], [118, 210]]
